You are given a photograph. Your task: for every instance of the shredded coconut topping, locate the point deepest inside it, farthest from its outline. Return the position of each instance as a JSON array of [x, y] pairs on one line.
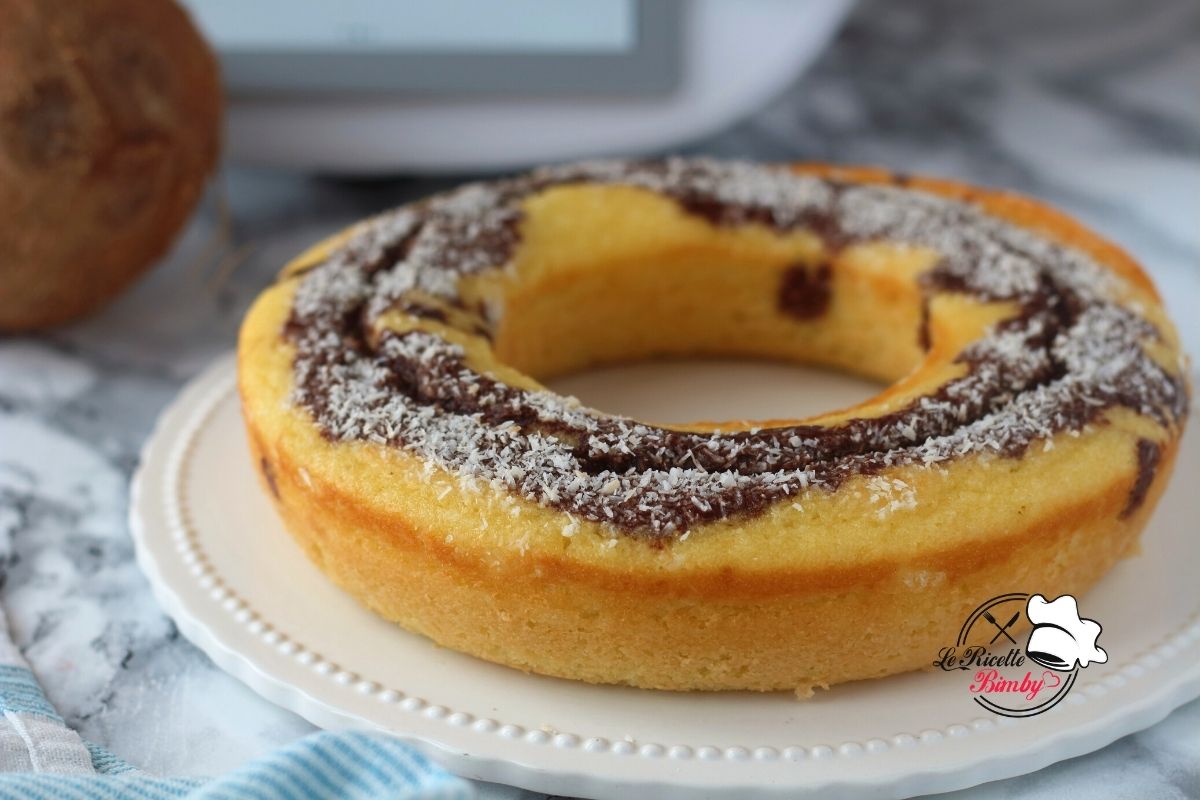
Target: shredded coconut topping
[[1071, 352]]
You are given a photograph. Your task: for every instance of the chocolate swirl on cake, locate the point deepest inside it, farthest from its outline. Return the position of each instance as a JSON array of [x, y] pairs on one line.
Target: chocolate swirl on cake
[[1071, 352]]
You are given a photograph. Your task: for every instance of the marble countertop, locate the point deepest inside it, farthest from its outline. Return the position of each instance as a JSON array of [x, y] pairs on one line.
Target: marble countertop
[[1094, 106]]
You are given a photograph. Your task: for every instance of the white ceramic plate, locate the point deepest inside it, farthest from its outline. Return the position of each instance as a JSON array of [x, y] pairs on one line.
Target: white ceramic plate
[[222, 565]]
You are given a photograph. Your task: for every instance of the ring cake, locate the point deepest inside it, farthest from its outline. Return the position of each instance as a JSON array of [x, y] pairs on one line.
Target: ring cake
[[389, 383]]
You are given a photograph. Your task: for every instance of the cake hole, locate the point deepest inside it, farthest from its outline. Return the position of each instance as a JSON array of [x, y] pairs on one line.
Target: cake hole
[[709, 389]]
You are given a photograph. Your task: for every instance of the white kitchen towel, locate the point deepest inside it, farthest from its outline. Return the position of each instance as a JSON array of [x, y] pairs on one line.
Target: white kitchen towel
[[33, 737], [43, 759]]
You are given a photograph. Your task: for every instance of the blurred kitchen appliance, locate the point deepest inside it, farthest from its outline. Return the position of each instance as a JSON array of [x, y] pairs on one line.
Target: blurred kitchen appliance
[[381, 86]]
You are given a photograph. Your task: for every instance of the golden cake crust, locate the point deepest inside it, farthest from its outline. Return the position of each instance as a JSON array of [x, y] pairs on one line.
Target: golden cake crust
[[812, 590]]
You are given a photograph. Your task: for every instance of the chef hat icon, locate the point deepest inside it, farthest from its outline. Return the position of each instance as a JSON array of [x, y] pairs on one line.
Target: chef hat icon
[[1060, 638]]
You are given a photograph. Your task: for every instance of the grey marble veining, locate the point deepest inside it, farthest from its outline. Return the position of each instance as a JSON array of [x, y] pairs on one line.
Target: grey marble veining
[[1093, 105]]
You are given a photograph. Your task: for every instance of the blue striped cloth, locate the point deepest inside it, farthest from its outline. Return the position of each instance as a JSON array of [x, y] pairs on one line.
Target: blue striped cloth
[[43, 759]]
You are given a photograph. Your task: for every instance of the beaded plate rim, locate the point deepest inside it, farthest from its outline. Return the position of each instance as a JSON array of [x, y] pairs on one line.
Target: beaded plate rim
[[171, 446]]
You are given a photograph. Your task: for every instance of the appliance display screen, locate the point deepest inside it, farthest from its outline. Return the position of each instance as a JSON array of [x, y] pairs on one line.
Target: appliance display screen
[[477, 47], [512, 26]]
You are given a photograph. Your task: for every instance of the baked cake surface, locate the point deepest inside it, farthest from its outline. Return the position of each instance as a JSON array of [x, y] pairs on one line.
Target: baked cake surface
[[390, 388]]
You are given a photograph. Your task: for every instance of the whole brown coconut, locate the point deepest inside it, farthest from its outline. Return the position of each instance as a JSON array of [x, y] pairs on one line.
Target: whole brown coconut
[[110, 114]]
